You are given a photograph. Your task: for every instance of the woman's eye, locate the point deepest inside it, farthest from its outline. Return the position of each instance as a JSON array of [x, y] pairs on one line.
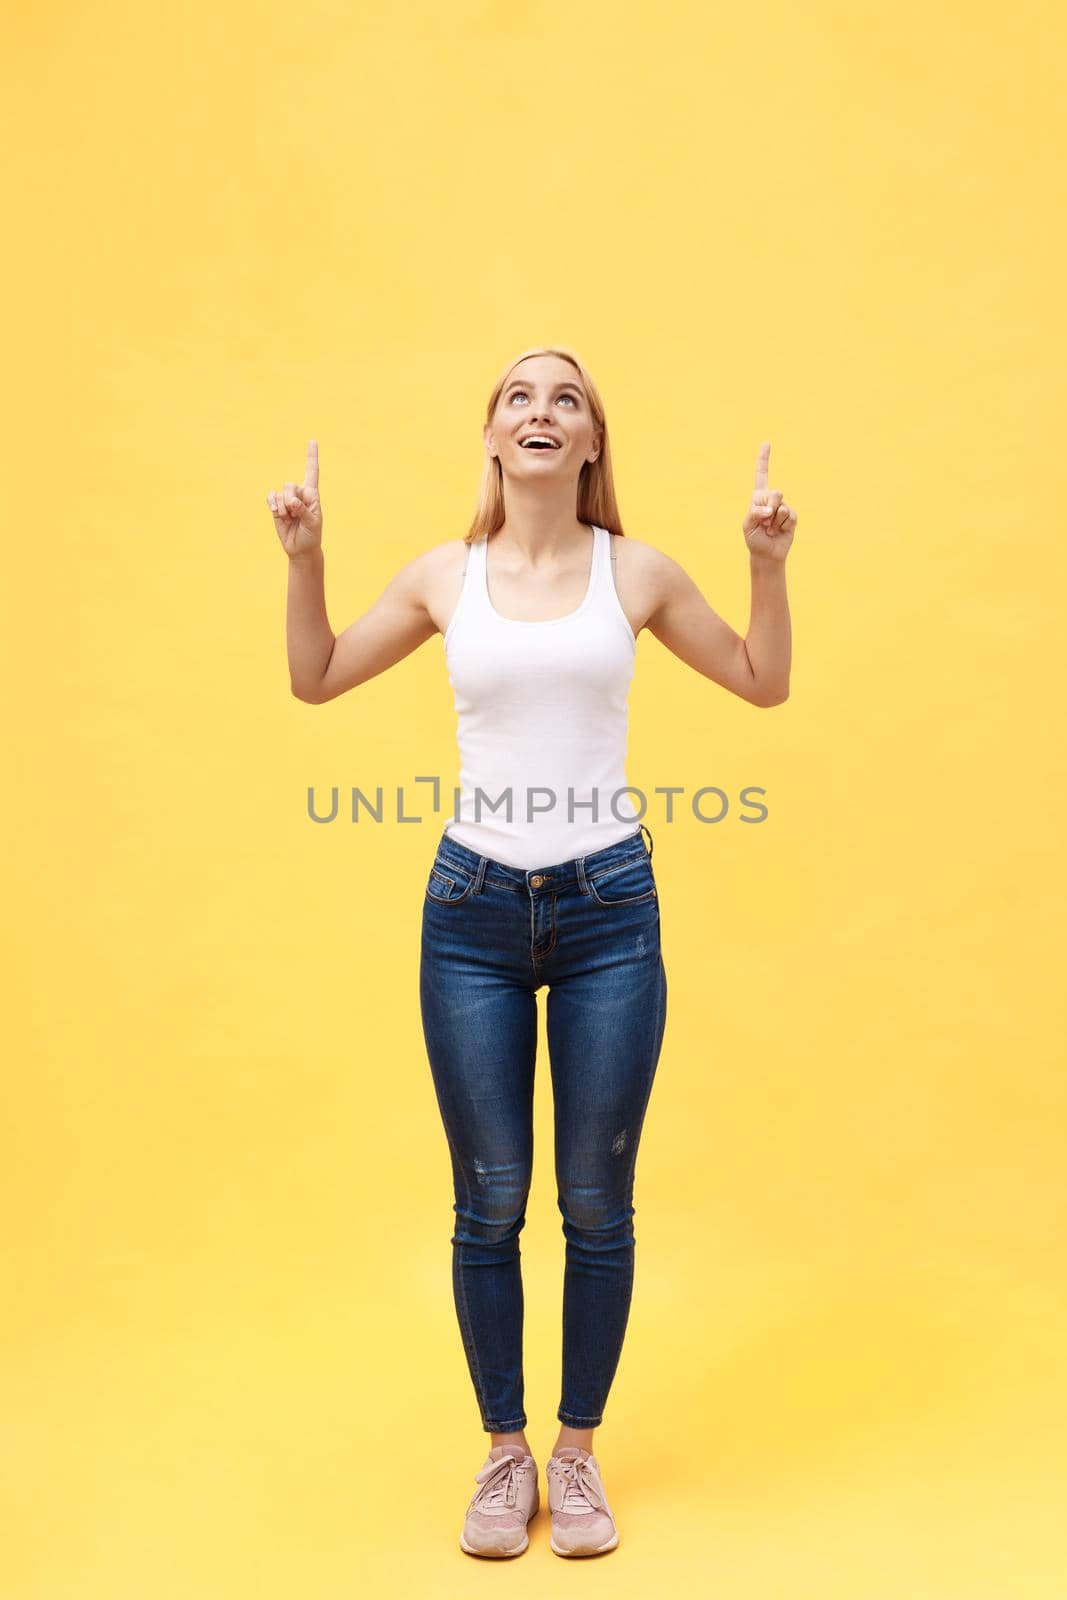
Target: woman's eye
[[516, 393]]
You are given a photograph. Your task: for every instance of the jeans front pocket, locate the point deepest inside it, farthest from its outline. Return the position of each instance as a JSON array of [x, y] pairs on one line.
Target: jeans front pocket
[[448, 883], [628, 883]]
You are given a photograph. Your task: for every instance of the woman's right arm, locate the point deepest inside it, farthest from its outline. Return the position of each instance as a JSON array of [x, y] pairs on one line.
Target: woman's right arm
[[322, 666]]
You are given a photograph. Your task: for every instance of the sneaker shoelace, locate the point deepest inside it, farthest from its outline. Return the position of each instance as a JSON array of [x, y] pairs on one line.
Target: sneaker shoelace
[[580, 1492], [499, 1485]]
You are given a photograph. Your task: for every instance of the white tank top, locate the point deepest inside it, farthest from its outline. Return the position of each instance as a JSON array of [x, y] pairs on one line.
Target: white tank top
[[541, 712]]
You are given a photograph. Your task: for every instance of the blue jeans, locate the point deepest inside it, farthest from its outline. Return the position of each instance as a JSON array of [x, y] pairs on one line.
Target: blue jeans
[[492, 935]]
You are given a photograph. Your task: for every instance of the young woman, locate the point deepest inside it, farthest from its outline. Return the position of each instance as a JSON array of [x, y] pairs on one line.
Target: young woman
[[541, 879]]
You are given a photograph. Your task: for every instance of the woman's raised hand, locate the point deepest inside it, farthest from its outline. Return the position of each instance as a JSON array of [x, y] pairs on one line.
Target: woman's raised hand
[[297, 511], [769, 523]]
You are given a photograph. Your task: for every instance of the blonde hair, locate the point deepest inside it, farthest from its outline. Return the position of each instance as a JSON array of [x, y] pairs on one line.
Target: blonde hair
[[596, 486]]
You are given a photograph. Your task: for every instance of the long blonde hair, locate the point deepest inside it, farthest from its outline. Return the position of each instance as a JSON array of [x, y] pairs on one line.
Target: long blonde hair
[[596, 486]]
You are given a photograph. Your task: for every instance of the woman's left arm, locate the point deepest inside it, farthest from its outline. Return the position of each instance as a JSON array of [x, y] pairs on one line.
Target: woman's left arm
[[755, 667]]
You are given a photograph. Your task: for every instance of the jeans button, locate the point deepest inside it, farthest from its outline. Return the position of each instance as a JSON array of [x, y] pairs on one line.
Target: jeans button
[[537, 880]]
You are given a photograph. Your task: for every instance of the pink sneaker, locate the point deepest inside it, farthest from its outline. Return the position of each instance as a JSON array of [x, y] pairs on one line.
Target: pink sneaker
[[582, 1520], [502, 1506]]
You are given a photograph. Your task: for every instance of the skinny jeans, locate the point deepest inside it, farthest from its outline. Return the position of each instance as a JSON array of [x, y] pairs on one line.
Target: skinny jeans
[[588, 930]]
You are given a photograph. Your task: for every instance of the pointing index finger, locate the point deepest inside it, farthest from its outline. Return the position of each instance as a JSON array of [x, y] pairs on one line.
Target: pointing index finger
[[762, 461], [311, 471]]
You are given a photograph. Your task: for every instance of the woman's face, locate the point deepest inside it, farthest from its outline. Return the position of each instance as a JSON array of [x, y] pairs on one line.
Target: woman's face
[[543, 396]]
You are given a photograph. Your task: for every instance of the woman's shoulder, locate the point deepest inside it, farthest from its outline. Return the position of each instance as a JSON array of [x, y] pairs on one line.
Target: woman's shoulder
[[646, 561], [642, 561], [436, 555], [438, 573], [642, 576], [438, 560], [642, 551]]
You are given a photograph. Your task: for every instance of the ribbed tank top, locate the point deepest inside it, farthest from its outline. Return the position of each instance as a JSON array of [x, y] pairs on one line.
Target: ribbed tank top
[[541, 706]]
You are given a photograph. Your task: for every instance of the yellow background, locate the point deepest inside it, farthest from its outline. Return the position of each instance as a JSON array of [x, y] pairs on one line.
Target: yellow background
[[231, 1363]]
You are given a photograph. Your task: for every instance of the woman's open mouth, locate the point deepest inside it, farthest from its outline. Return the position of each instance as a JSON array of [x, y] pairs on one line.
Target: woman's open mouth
[[539, 441]]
